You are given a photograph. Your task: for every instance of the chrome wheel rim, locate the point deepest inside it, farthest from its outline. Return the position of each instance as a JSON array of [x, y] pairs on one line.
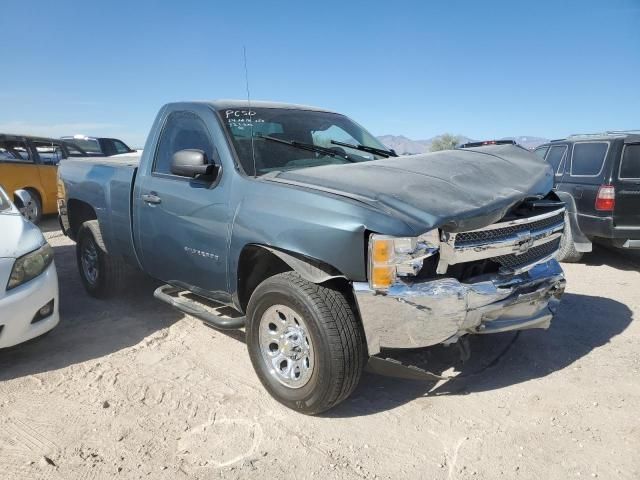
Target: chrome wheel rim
[[285, 346], [30, 211], [89, 259]]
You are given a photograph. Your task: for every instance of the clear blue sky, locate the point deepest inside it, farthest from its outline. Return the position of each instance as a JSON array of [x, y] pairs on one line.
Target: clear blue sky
[[480, 68]]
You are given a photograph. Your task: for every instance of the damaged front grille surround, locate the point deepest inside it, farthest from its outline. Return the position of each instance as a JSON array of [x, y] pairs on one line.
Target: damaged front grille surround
[[494, 233], [516, 245], [535, 254]]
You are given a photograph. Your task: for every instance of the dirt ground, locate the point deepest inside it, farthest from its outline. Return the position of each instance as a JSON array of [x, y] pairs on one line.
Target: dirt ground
[[130, 388]]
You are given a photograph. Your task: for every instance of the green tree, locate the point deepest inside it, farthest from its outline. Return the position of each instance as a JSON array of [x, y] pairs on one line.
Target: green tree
[[445, 141]]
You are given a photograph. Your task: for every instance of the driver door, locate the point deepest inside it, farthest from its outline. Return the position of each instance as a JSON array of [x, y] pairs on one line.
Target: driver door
[[183, 222]]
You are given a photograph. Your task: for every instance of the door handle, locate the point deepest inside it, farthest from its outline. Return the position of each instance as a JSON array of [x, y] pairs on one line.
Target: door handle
[[151, 198]]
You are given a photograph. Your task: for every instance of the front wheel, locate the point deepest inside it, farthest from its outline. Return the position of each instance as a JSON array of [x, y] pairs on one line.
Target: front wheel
[[33, 210], [305, 343]]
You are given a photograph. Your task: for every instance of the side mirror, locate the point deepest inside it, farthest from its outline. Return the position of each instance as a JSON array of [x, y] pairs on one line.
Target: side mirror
[[22, 200], [191, 163]]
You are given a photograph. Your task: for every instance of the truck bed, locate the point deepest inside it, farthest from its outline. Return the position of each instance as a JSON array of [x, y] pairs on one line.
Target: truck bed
[[124, 160], [105, 184]]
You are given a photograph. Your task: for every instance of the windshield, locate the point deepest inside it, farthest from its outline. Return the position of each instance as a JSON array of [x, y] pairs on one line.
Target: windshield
[[5, 205], [298, 130]]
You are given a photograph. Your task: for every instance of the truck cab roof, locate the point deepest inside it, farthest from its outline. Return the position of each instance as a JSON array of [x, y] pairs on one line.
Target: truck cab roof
[[224, 104]]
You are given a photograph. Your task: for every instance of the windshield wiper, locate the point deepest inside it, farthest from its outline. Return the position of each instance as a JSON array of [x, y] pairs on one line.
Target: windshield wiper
[[309, 147], [364, 148]]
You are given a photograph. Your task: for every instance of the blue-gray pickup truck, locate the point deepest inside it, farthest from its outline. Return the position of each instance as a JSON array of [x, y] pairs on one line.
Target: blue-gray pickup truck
[[297, 224]]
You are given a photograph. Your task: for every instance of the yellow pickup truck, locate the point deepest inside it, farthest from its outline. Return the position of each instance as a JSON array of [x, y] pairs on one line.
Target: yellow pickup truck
[[31, 163]]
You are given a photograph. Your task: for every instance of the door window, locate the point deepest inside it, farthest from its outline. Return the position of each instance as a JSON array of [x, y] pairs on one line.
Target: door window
[[74, 151], [120, 147], [50, 153], [541, 151], [588, 158], [630, 164], [182, 130], [556, 158], [89, 145], [14, 151]]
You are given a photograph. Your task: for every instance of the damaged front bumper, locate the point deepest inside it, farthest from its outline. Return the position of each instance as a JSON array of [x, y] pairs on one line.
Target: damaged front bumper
[[428, 313]]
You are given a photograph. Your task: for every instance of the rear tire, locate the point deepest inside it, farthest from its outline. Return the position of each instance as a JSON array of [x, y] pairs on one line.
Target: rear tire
[[102, 275], [567, 252], [295, 324]]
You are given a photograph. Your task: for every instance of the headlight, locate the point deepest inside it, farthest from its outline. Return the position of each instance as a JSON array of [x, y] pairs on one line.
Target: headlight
[[31, 265], [390, 257]]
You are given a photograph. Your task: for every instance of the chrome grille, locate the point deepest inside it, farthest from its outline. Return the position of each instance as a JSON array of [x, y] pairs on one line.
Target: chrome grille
[[514, 261], [480, 236], [516, 244]]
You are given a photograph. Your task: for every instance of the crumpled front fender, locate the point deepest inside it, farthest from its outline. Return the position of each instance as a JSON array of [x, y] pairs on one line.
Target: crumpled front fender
[[310, 269]]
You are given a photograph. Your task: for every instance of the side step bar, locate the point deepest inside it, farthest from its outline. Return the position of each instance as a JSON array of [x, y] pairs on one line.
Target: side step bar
[[215, 314]]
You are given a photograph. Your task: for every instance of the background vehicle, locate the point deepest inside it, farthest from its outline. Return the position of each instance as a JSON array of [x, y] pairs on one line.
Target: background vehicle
[[301, 226], [98, 146], [598, 177], [29, 163], [28, 278]]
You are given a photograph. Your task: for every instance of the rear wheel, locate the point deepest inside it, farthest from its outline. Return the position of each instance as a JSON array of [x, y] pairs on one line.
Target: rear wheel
[[567, 252], [306, 345], [102, 274]]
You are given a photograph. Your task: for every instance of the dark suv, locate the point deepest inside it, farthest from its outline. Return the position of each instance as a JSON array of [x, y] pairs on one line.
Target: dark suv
[[598, 177]]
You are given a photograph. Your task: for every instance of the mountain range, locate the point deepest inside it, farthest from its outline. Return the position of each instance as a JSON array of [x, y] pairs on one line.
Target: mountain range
[[407, 146]]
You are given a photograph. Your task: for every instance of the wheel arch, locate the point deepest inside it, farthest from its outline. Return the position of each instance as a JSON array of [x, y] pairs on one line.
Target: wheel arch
[[581, 241], [78, 212], [36, 190], [258, 262]]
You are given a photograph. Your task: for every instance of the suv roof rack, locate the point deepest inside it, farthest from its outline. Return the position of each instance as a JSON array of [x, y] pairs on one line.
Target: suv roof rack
[[607, 133], [574, 135], [620, 132]]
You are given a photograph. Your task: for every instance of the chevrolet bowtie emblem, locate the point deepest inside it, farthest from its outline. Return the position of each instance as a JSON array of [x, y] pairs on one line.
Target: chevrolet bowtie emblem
[[524, 242]]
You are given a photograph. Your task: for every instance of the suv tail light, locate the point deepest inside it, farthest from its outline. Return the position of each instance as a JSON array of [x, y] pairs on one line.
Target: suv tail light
[[606, 199]]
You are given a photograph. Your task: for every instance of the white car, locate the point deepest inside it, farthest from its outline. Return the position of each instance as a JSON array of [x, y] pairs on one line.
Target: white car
[[28, 278]]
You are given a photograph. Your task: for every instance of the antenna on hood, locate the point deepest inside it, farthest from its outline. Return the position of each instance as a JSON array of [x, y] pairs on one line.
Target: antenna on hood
[[246, 79]]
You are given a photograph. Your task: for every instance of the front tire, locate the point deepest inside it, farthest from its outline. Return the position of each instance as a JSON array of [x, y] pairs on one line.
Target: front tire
[[102, 274], [305, 342], [33, 211]]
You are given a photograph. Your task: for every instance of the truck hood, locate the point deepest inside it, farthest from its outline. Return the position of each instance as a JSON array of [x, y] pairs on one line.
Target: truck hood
[[456, 190], [19, 236]]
